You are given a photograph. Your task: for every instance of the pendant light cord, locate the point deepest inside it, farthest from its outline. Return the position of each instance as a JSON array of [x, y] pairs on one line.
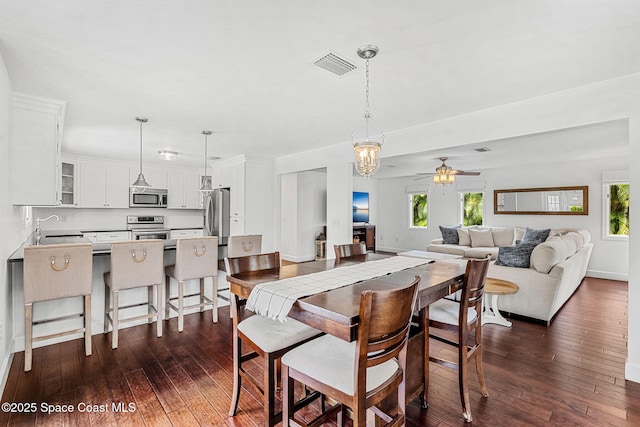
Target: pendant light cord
[[140, 146]]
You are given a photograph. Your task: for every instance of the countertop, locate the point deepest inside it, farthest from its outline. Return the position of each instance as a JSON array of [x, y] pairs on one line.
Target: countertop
[[98, 248]]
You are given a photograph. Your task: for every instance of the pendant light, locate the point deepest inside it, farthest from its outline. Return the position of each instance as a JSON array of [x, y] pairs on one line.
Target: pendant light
[[206, 188], [141, 183], [367, 152]]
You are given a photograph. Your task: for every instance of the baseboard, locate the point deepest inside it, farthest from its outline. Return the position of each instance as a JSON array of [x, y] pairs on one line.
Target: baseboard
[[390, 249], [297, 259], [608, 275], [4, 370], [632, 372]]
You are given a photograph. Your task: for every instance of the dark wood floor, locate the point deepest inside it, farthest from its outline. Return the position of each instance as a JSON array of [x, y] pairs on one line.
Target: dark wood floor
[[569, 374]]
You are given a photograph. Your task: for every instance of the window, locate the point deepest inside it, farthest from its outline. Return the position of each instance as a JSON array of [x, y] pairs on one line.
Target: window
[[553, 203], [617, 210], [418, 211], [471, 209]]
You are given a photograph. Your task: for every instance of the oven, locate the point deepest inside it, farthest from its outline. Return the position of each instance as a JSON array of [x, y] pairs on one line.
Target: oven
[[147, 227], [147, 198]]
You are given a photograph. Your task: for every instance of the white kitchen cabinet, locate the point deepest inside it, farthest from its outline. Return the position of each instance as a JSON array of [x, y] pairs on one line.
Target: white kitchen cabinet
[[182, 187], [237, 185], [183, 233], [103, 185], [236, 226], [68, 183], [107, 236], [35, 150]]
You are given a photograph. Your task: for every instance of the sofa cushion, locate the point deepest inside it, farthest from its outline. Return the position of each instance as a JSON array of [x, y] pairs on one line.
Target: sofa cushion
[[481, 252], [449, 235], [463, 237], [535, 236], [547, 254], [577, 238], [570, 244], [502, 236], [481, 238], [516, 256]]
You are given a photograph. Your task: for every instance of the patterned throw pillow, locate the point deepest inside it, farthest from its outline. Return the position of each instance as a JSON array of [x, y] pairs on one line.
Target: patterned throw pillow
[[535, 236], [516, 256], [449, 235]]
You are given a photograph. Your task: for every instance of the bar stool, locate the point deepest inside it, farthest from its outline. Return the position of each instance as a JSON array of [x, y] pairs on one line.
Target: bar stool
[[196, 258], [249, 244], [134, 264], [53, 272]]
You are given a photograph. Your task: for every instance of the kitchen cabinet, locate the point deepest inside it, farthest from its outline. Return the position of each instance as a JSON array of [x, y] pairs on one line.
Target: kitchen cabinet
[[182, 187], [35, 150], [68, 183], [237, 185], [107, 236], [103, 185]]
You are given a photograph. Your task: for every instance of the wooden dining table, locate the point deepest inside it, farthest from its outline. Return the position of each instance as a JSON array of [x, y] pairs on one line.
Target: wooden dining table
[[336, 311]]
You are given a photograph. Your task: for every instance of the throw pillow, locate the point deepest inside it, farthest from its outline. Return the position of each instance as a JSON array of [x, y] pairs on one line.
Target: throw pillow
[[502, 236], [516, 256], [449, 235], [463, 237], [518, 233], [535, 236], [481, 238]]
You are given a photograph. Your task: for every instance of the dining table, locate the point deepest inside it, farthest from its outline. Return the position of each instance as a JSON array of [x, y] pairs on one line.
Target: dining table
[[336, 311]]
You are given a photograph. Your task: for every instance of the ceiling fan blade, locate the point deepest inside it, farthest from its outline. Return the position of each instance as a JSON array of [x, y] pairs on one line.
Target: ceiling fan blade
[[458, 172], [421, 178]]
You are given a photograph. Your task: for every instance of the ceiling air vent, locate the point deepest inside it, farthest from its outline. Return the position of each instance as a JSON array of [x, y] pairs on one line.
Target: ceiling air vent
[[333, 63], [482, 149]]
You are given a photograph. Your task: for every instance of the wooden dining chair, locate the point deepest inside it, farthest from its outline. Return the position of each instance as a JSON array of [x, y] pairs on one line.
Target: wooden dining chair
[[350, 249], [360, 374], [464, 318], [269, 339]]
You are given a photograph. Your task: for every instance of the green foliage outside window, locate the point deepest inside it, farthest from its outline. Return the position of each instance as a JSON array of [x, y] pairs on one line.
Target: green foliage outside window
[[419, 207], [619, 210], [472, 209]]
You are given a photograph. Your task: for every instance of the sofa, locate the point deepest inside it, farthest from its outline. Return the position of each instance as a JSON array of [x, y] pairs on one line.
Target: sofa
[[547, 277]]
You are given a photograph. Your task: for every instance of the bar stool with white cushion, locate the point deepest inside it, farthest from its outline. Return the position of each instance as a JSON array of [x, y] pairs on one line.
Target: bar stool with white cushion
[[196, 258], [54, 272], [134, 264]]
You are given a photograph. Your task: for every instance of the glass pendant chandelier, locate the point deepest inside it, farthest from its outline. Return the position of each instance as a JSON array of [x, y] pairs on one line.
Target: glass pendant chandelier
[[141, 183], [205, 187], [367, 151], [444, 174]]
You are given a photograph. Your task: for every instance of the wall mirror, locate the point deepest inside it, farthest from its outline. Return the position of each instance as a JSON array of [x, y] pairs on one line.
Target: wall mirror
[[542, 201]]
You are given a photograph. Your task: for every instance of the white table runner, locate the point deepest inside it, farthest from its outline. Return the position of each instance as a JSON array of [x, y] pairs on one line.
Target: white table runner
[[275, 299]]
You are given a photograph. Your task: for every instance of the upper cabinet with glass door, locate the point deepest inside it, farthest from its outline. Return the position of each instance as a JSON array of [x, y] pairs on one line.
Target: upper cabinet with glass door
[[68, 196]]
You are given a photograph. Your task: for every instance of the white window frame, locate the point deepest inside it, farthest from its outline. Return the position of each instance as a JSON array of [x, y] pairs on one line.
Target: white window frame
[[606, 197], [461, 205], [410, 210]]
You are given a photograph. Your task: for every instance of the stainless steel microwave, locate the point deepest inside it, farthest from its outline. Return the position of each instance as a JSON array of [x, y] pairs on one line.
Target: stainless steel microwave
[[147, 197]]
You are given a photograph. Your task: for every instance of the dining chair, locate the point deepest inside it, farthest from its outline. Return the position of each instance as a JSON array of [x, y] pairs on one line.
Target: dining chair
[[269, 339], [196, 258], [54, 272], [464, 318], [350, 249], [359, 374], [134, 264]]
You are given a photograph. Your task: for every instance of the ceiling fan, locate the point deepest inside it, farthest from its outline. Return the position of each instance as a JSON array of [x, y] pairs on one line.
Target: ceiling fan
[[444, 174]]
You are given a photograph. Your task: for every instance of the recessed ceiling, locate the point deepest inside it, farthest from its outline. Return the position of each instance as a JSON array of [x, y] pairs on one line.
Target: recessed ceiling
[[245, 68]]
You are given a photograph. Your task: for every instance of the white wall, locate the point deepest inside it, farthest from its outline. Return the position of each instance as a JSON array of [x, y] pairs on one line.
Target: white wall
[[303, 214], [13, 231], [609, 259]]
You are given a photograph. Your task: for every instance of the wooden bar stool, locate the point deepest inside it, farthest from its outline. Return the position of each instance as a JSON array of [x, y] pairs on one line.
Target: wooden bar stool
[[196, 258], [53, 272], [249, 244], [134, 264]]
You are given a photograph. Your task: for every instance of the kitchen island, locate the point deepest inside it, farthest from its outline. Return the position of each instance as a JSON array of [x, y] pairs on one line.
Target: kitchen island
[[73, 306]]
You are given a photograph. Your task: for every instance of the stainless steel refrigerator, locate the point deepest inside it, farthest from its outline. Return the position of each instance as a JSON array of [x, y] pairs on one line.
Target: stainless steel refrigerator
[[217, 215]]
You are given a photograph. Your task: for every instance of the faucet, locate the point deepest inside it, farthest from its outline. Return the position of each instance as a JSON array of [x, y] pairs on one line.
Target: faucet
[[38, 229]]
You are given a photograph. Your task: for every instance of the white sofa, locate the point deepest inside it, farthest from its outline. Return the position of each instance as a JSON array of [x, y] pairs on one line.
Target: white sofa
[[557, 267]]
